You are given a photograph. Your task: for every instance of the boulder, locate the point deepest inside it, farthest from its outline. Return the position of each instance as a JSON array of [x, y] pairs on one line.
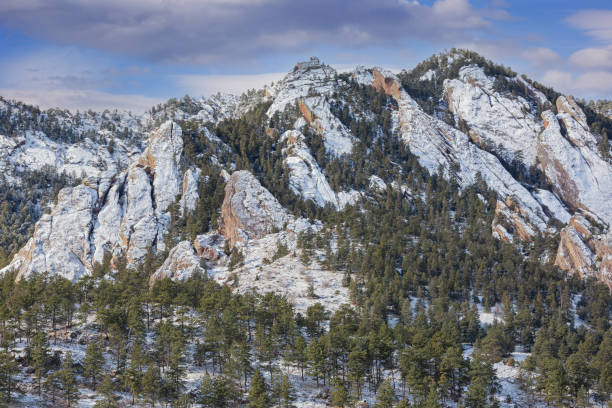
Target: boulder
[[182, 262], [249, 211], [585, 250]]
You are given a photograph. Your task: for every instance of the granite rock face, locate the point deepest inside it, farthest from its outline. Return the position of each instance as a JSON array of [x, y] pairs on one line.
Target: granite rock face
[[249, 211], [440, 146], [182, 262], [122, 213]]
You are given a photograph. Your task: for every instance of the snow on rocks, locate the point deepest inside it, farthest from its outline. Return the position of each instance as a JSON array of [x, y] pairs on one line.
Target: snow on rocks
[[182, 262], [61, 239], [123, 214], [508, 215], [336, 137], [249, 211], [440, 146], [286, 275], [139, 225], [210, 247], [552, 204], [577, 172], [493, 119], [307, 78], [585, 249], [377, 184], [190, 195], [162, 157], [307, 179], [362, 75]]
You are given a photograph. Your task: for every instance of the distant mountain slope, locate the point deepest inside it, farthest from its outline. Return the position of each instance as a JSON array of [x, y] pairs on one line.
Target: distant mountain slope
[[459, 114]]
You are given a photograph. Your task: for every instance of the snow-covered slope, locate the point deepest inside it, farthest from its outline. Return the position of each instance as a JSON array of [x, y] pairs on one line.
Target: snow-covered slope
[[440, 146], [494, 119], [130, 181], [121, 213]]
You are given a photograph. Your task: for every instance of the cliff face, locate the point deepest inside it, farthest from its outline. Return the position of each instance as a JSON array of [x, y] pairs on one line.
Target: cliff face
[[439, 145], [249, 211], [122, 207], [583, 179], [124, 214]]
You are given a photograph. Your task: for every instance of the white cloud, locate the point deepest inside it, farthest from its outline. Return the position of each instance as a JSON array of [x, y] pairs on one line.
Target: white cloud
[[75, 99], [593, 57], [541, 56], [596, 23], [594, 84], [204, 85], [68, 79], [218, 31]]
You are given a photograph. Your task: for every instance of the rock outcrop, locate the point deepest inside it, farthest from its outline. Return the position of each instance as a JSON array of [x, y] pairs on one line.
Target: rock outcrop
[[509, 220], [440, 146], [249, 211], [190, 194], [209, 247], [124, 214], [61, 240], [493, 119], [585, 250], [568, 156], [182, 262], [306, 177]]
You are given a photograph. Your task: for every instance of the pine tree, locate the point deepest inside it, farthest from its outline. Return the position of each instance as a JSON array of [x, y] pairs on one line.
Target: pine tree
[[150, 385], [69, 392], [93, 363], [384, 395], [258, 392], [107, 390], [39, 353], [207, 393], [286, 393], [8, 369], [339, 394], [52, 386], [134, 374], [432, 400]]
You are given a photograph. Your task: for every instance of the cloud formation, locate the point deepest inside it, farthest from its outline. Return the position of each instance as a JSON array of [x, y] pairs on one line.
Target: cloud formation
[[204, 85], [593, 58], [81, 99], [67, 78], [596, 23], [205, 31]]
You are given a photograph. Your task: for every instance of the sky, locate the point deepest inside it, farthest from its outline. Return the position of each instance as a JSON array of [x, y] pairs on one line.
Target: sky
[[133, 54]]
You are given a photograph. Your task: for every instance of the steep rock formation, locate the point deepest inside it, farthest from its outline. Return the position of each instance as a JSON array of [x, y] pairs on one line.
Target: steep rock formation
[[249, 211], [190, 194], [123, 214], [309, 77], [182, 262], [438, 145], [336, 137], [493, 119], [585, 250], [61, 239], [577, 172], [509, 220], [568, 156], [209, 246], [306, 177]]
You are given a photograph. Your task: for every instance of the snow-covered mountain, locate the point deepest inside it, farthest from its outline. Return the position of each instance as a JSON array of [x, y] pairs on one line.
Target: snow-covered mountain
[[474, 125]]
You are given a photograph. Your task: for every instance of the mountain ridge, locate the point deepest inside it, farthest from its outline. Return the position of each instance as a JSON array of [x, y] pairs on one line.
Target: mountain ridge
[[485, 126]]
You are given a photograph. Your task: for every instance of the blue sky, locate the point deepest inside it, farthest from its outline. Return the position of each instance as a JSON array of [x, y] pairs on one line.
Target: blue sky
[[131, 54]]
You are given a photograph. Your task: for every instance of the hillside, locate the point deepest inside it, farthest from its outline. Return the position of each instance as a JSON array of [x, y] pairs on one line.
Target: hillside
[[440, 237]]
